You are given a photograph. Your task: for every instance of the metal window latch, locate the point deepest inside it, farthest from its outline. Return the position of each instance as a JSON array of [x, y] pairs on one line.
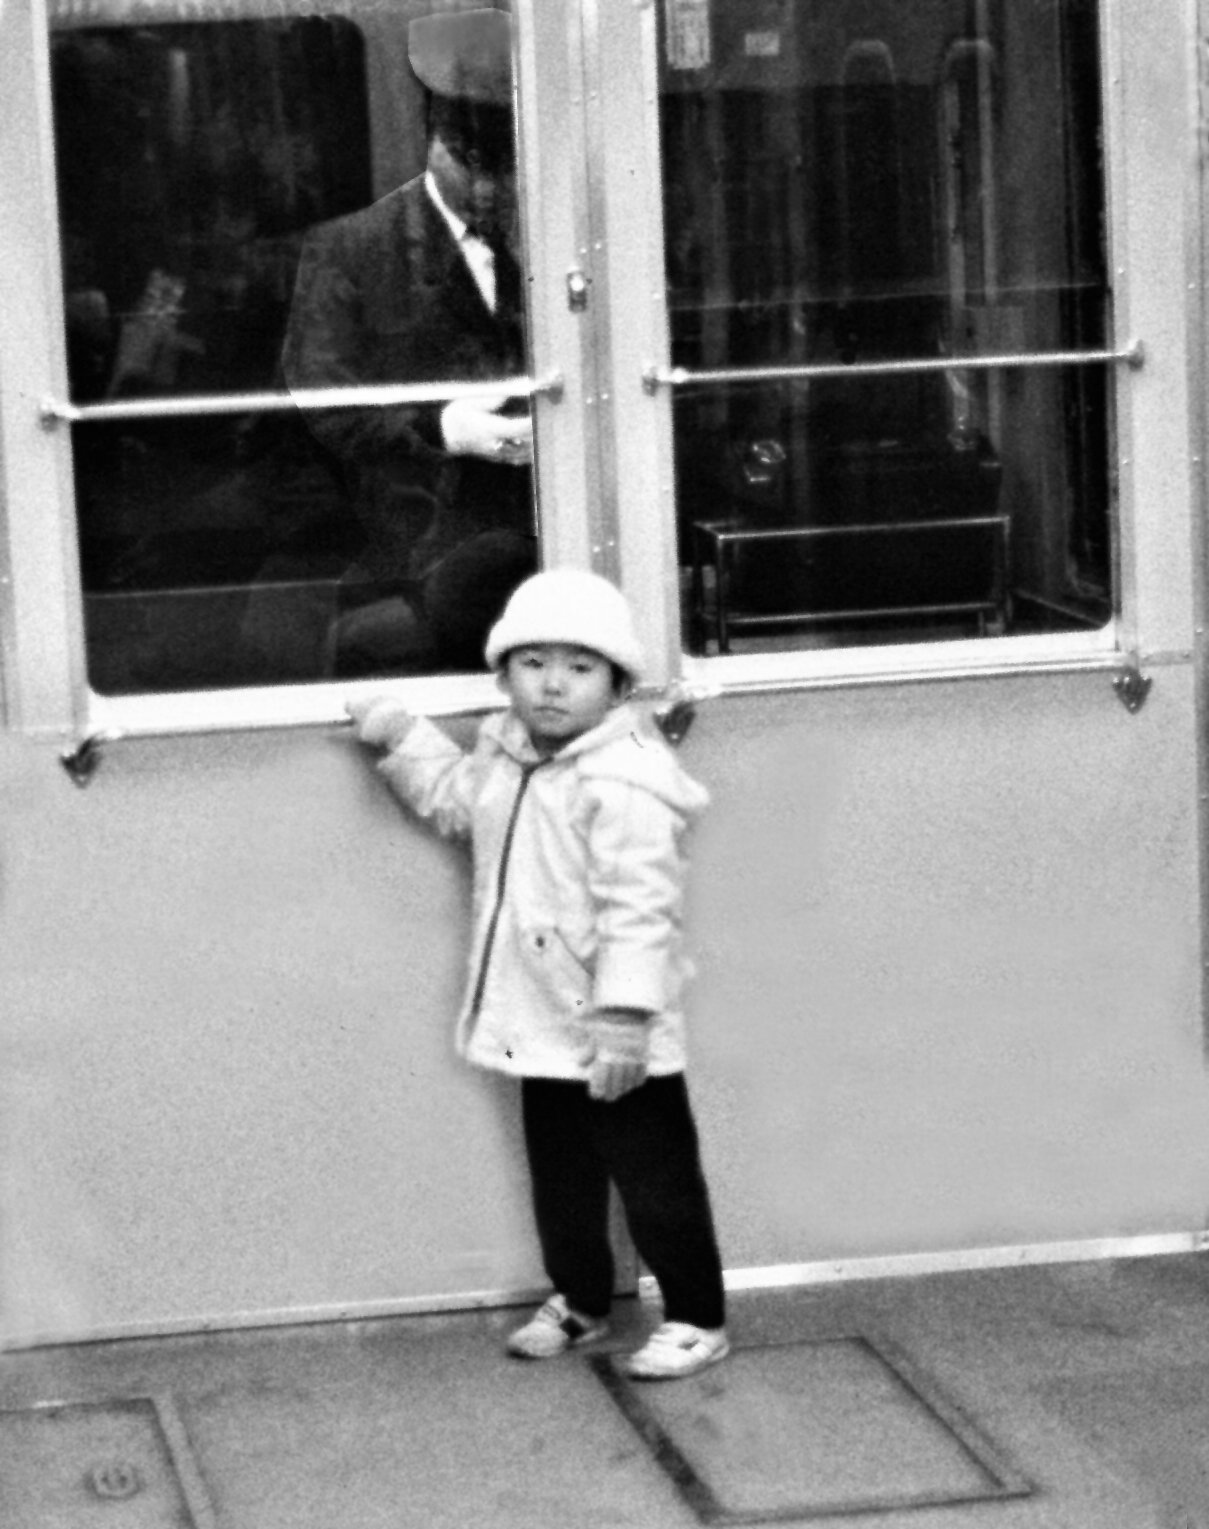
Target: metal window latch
[[81, 762], [678, 710], [675, 719], [1132, 686], [577, 290]]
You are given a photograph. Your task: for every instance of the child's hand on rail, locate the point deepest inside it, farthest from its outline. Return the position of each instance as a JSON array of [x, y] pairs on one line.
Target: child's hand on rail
[[380, 721]]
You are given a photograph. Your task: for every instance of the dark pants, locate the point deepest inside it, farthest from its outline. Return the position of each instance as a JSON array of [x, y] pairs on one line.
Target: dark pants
[[646, 1143]]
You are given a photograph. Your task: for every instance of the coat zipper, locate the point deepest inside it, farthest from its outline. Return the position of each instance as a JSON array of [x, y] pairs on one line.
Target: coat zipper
[[527, 773]]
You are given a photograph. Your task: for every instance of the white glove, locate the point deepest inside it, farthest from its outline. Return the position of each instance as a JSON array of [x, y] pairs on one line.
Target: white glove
[[618, 1052], [380, 721], [474, 427]]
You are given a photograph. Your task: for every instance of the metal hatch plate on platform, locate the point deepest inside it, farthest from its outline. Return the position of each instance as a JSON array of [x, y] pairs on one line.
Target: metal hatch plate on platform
[[117, 1463], [809, 1430]]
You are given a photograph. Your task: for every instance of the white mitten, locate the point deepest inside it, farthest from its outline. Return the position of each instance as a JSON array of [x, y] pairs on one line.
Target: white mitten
[[620, 1050], [380, 721]]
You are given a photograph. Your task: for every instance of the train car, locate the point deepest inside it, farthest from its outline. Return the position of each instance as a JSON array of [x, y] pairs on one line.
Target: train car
[[863, 345]]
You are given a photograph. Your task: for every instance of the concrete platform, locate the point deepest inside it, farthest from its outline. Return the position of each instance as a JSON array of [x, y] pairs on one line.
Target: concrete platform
[[1072, 1396]]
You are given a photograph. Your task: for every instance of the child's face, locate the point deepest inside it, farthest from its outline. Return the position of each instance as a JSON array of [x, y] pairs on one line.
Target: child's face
[[558, 691]]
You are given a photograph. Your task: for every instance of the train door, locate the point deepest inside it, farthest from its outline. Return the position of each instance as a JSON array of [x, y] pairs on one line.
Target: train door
[[860, 342], [313, 392], [909, 365], [907, 369]]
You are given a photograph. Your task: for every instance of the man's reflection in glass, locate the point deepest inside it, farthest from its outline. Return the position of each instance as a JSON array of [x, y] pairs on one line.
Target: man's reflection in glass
[[423, 286]]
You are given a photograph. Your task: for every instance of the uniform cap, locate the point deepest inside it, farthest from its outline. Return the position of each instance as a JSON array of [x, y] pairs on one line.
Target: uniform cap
[[572, 606], [464, 55]]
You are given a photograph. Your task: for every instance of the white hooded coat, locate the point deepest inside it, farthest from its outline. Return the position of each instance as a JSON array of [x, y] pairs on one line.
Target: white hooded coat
[[579, 877]]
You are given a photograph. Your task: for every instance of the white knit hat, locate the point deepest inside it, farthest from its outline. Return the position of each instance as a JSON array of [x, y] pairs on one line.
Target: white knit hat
[[568, 605]]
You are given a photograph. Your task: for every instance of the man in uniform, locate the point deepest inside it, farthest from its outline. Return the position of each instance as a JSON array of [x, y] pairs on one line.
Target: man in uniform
[[423, 287]]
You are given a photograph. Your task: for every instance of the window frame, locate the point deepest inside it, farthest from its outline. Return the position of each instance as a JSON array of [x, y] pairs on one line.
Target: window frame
[[603, 506], [1155, 458]]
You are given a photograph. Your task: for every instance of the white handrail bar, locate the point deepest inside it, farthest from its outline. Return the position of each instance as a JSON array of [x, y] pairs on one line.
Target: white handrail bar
[[653, 377], [55, 411]]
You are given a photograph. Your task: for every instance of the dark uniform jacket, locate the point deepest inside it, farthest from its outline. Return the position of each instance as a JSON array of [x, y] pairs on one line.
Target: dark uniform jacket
[[384, 295]]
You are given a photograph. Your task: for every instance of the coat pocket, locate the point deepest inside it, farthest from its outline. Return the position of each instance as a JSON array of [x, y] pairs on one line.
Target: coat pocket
[[556, 967]]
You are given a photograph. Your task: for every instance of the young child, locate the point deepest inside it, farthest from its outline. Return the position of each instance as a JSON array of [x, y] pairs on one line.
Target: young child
[[577, 812]]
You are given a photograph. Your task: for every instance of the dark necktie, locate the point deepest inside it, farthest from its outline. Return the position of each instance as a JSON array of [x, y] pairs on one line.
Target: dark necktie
[[507, 280]]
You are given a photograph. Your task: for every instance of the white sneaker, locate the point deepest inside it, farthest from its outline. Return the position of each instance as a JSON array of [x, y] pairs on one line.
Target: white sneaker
[[677, 1349], [554, 1329]]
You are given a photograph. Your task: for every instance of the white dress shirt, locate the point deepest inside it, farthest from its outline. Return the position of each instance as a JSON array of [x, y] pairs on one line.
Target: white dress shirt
[[475, 251]]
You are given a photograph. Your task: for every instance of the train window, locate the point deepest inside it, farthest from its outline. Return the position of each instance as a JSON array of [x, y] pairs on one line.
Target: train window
[[856, 195], [259, 208]]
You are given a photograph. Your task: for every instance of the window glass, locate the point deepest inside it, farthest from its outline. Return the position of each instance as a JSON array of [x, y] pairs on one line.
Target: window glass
[[248, 223], [855, 187]]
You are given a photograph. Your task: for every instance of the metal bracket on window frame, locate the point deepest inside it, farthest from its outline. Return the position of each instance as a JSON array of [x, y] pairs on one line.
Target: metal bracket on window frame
[[54, 412], [656, 377]]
